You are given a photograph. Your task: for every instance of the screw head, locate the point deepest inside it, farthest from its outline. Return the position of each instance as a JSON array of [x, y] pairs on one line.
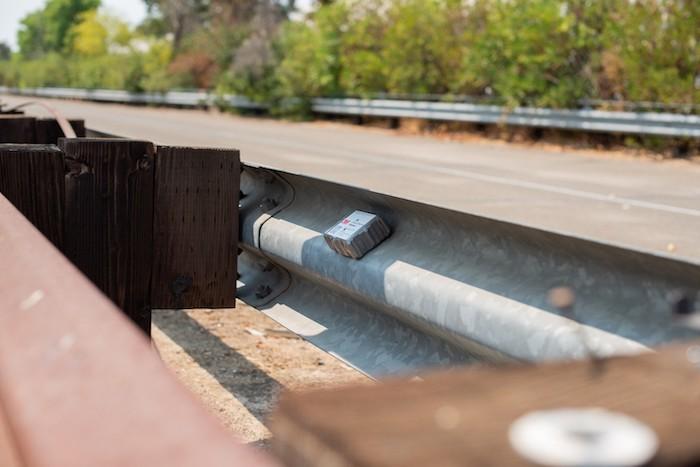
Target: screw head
[[263, 291]]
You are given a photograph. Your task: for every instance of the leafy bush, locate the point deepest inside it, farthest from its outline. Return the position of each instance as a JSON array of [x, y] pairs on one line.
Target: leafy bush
[[518, 52]]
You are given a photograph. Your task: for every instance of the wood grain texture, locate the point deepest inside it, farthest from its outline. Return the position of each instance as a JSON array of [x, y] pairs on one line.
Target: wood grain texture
[[47, 130], [17, 129], [195, 228], [32, 178], [397, 423], [109, 218], [79, 385]]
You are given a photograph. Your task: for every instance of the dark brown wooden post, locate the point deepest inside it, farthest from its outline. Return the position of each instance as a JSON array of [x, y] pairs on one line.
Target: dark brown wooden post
[[17, 129], [195, 228], [48, 130], [32, 178], [109, 218]]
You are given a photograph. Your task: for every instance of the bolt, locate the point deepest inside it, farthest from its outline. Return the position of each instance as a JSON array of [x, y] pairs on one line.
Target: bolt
[[180, 285], [682, 303], [263, 291], [684, 309], [268, 203]]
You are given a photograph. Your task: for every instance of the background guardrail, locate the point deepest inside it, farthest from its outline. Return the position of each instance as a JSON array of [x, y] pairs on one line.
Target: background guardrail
[[177, 98], [646, 123], [642, 123]]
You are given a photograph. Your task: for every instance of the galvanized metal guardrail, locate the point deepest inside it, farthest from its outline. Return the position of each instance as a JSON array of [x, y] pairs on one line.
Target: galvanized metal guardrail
[[176, 98], [642, 123], [447, 287], [645, 123]]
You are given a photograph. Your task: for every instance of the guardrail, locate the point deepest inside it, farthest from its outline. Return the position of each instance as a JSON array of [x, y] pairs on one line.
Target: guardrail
[[446, 287], [176, 98], [642, 123], [645, 123]]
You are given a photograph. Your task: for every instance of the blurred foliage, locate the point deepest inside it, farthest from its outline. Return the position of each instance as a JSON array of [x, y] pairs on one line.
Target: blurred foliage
[[98, 51], [515, 52], [5, 51], [47, 30]]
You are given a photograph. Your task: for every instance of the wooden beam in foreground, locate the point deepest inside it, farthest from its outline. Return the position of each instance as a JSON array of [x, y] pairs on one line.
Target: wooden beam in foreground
[[462, 417], [79, 384]]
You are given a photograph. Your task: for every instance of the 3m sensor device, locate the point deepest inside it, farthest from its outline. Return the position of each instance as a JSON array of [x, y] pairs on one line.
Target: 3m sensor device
[[356, 234]]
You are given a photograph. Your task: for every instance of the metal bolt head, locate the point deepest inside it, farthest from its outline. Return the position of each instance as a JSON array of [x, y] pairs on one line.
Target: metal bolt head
[[268, 203], [682, 303], [263, 291]]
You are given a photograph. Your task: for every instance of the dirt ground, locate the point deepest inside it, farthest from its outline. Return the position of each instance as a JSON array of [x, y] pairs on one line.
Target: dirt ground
[[238, 360]]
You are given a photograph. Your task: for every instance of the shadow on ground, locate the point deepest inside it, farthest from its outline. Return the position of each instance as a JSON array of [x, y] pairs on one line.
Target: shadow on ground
[[249, 384]]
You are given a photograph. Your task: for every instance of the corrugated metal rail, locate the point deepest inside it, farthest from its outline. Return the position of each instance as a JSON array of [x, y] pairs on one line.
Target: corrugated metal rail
[[175, 98], [447, 287], [642, 123]]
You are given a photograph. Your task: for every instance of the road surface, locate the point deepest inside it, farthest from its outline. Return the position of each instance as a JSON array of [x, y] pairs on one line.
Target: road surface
[[639, 203]]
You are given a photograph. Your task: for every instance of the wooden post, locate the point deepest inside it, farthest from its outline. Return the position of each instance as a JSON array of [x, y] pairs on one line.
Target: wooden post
[[109, 218], [17, 129], [195, 228], [48, 131], [32, 178]]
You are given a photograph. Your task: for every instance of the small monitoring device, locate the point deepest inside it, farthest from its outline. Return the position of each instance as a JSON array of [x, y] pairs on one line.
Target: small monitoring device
[[356, 234]]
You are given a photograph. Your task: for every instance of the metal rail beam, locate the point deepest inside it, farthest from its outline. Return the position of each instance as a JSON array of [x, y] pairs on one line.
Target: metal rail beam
[[645, 123], [175, 98], [446, 287], [642, 123]]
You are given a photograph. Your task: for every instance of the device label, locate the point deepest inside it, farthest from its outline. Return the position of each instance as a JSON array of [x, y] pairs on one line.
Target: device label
[[349, 226]]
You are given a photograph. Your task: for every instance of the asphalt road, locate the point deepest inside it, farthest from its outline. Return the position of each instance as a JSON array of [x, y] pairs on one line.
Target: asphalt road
[[639, 203]]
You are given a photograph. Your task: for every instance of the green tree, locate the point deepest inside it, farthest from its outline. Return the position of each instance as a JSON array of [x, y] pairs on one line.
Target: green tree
[[362, 69], [311, 64], [652, 52], [90, 35], [5, 51], [532, 52], [47, 30]]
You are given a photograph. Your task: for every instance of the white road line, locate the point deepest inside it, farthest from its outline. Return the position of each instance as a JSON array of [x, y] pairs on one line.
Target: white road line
[[395, 160]]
